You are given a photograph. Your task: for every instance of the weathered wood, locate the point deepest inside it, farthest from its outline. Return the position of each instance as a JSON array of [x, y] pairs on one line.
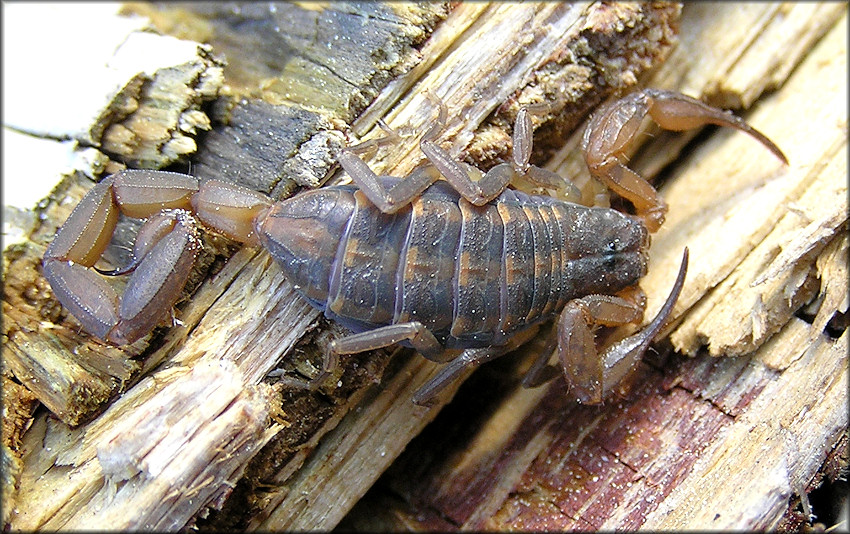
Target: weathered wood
[[141, 104], [569, 55], [303, 74], [703, 443]]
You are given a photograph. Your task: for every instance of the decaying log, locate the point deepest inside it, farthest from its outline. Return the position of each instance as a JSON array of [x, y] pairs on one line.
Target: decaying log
[[90, 500], [141, 105], [296, 460], [378, 431], [708, 442]]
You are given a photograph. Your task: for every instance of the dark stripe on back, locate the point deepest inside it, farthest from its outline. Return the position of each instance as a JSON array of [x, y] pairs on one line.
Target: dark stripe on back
[[517, 264], [362, 285], [478, 275], [425, 277]]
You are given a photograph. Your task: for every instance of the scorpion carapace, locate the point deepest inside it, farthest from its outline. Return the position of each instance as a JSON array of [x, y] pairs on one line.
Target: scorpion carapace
[[446, 260]]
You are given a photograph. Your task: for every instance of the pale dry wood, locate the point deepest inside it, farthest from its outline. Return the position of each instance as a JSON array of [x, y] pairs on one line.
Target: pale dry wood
[[796, 419], [720, 40], [544, 55], [83, 497], [463, 16], [746, 215], [733, 54], [153, 123], [152, 456], [747, 218], [708, 207], [728, 74]]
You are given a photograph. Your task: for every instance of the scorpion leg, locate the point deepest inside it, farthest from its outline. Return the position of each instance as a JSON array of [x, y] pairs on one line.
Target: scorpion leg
[[593, 376], [614, 127], [467, 359], [522, 144], [480, 188], [414, 332], [448, 373], [541, 371], [399, 195], [473, 185]]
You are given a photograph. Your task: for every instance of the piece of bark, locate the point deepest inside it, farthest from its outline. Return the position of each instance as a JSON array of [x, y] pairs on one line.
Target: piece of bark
[[133, 94], [301, 73], [18, 406], [255, 327], [144, 89], [154, 120], [703, 443]]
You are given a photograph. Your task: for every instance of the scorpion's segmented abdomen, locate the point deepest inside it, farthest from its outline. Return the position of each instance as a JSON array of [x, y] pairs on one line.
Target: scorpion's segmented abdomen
[[303, 234], [474, 275]]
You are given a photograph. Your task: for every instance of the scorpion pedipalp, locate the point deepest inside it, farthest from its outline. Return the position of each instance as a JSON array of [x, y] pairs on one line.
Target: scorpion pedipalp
[[614, 126], [592, 377], [165, 249]]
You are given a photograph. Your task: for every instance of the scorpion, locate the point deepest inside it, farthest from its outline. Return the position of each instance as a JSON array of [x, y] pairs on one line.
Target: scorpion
[[448, 261]]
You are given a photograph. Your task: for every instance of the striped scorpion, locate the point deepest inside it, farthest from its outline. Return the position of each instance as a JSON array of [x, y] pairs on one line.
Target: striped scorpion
[[448, 260]]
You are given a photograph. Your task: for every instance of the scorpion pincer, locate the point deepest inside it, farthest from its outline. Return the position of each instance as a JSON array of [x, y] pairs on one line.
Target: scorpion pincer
[[448, 260]]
